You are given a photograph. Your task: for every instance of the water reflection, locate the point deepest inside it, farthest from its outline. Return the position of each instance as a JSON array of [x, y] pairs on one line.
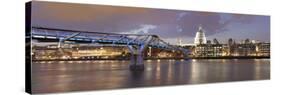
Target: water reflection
[[61, 76]]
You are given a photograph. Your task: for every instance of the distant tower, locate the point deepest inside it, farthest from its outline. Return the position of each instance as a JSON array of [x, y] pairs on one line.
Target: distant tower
[[216, 41], [200, 37], [230, 41]]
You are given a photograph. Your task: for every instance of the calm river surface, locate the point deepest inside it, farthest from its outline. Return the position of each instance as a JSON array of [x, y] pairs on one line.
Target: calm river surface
[[63, 76]]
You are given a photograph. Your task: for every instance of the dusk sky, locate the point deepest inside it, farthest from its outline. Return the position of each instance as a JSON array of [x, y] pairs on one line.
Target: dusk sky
[[168, 24]]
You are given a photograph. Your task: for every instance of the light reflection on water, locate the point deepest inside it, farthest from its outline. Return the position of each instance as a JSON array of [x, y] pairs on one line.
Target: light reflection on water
[[61, 76]]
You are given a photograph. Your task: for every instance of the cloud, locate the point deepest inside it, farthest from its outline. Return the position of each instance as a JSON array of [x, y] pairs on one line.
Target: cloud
[[179, 29], [180, 15], [143, 29]]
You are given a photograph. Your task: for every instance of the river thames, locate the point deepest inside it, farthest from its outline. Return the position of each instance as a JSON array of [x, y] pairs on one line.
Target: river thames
[[64, 76]]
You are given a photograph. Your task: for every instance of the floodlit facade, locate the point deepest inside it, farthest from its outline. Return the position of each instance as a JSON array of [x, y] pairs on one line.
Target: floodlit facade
[[200, 37]]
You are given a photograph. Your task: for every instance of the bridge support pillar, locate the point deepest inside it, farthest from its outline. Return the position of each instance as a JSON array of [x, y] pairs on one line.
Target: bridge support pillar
[[136, 59], [136, 62]]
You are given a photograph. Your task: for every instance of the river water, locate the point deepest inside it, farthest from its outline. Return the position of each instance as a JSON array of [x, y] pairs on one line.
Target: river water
[[64, 76]]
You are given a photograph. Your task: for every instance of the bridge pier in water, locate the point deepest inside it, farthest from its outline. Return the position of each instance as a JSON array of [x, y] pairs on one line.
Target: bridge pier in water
[[136, 62], [137, 54], [136, 58]]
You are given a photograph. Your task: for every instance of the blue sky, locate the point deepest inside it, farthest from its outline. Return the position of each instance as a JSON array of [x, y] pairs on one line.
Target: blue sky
[[168, 24]]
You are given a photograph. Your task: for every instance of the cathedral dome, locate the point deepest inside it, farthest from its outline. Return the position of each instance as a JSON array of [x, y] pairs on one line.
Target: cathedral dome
[[200, 36]]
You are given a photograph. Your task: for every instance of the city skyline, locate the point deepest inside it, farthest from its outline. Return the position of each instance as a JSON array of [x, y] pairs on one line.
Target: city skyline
[[81, 47], [168, 24]]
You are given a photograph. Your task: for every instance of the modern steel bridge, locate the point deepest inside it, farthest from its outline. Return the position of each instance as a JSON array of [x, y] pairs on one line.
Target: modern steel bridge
[[135, 42]]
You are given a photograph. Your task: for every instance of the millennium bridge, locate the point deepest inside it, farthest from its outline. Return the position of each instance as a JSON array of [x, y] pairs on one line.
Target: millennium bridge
[[136, 43]]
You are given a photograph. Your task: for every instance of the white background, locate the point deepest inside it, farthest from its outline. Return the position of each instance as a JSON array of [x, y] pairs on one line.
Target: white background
[[12, 47]]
